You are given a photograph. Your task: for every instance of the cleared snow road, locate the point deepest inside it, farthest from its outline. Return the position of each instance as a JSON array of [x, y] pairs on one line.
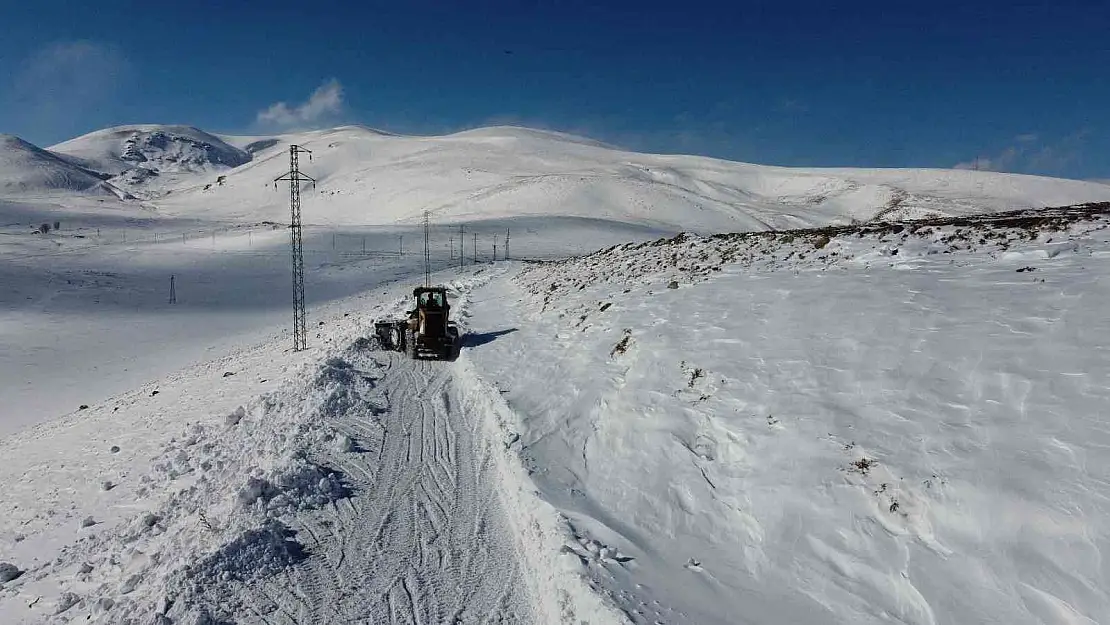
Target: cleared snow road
[[423, 538]]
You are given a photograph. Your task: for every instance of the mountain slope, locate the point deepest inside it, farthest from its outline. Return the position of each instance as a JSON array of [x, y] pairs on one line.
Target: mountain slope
[[26, 169], [155, 156], [879, 424], [367, 177]]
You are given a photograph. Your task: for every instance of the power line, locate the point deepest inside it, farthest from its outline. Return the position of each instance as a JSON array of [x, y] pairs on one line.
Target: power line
[[295, 178]]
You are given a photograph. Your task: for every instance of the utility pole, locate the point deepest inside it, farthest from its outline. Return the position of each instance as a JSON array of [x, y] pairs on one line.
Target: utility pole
[[295, 178], [173, 291], [462, 244], [494, 251], [401, 245], [427, 254], [506, 244], [475, 248], [452, 244]]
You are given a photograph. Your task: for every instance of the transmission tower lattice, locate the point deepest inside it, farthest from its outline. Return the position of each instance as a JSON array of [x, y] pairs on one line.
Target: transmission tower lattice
[[295, 178]]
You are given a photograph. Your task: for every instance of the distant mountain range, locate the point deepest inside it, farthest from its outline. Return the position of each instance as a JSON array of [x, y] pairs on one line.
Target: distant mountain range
[[366, 176]]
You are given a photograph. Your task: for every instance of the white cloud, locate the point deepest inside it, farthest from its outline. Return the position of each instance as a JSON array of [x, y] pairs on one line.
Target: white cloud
[[66, 85], [71, 70], [1029, 154], [1000, 162], [325, 101]]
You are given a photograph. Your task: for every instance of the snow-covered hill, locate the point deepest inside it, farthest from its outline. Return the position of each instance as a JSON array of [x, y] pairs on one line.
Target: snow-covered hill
[[368, 177], [30, 171], [890, 424], [151, 157], [893, 422]]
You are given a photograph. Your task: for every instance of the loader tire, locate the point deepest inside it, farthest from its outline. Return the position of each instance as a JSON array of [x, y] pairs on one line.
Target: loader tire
[[410, 344]]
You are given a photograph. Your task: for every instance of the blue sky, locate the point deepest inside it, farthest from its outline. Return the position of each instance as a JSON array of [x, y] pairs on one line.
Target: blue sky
[[1020, 86]]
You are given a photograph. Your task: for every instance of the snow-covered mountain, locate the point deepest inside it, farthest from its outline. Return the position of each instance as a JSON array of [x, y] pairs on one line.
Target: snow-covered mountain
[[856, 424], [368, 177], [30, 171], [156, 156]]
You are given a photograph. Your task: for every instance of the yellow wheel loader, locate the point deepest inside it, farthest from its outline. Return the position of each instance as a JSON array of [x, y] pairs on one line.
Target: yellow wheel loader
[[427, 329]]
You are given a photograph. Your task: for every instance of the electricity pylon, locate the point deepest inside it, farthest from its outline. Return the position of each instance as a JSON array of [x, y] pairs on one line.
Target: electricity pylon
[[295, 178]]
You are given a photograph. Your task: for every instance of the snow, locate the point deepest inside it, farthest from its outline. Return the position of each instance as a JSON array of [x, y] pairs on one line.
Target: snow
[[857, 424], [29, 170], [893, 427], [151, 159], [229, 510], [367, 177]]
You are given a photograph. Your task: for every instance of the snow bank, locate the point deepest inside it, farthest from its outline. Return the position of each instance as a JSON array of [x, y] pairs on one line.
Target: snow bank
[[565, 594], [214, 507]]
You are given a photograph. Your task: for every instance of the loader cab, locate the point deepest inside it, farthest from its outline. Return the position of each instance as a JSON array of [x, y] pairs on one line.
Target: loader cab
[[432, 311], [431, 298]]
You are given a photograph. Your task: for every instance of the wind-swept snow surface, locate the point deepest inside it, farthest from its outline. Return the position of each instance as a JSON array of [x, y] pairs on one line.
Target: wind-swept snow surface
[[899, 424]]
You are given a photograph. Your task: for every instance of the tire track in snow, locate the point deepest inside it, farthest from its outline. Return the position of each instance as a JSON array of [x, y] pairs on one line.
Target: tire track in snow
[[424, 538]]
